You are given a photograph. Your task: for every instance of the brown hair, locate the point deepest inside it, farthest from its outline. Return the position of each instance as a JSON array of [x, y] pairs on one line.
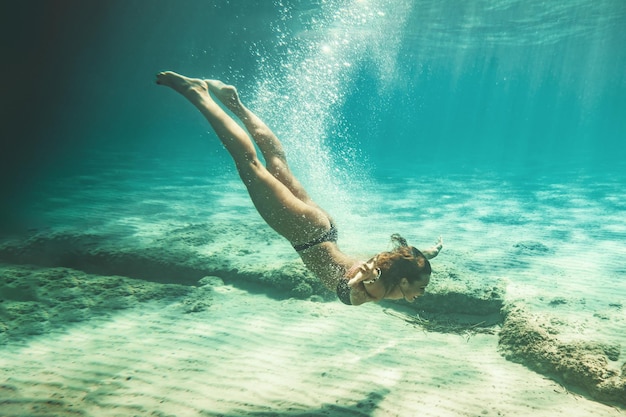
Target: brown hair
[[403, 261]]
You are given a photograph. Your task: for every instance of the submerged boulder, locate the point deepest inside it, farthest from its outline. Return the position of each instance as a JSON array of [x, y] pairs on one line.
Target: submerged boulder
[[582, 365], [65, 296]]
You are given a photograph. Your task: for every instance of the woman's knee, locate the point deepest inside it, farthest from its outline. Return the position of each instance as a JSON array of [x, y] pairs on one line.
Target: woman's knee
[[277, 166], [250, 168]]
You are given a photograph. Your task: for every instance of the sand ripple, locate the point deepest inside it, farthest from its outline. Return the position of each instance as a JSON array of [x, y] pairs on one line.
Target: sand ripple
[[248, 355]]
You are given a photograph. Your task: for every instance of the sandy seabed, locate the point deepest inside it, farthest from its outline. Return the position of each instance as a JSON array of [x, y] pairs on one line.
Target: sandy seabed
[[166, 304], [249, 355]]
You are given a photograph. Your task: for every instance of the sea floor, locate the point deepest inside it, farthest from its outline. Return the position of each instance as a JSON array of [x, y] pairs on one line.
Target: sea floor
[[106, 310]]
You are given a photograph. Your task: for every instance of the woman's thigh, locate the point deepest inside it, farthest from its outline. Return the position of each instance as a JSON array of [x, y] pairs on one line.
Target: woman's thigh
[[294, 219]]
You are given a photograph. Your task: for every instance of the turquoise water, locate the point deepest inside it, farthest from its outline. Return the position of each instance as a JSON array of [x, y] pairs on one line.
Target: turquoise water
[[497, 124], [368, 87], [384, 85], [361, 93]]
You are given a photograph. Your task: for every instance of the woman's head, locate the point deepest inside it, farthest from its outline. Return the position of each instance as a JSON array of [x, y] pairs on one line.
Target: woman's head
[[404, 270]]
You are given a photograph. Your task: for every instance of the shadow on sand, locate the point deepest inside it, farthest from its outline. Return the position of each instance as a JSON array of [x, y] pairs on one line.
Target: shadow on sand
[[362, 408]]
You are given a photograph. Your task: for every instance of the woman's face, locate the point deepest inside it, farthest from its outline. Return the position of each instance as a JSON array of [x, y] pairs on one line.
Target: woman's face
[[411, 291]]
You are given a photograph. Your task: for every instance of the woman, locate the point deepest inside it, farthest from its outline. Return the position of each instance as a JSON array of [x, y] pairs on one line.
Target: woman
[[284, 204]]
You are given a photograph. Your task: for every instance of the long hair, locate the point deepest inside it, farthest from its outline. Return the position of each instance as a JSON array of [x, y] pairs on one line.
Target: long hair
[[403, 261]]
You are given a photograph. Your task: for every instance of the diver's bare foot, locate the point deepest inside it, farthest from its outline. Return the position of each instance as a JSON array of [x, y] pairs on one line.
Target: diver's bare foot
[[191, 88], [227, 94]]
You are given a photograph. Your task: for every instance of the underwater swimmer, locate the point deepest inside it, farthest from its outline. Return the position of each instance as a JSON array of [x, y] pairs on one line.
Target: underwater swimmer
[[283, 203]]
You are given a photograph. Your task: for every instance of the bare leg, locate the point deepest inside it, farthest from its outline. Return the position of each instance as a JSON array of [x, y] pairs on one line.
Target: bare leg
[[270, 146], [290, 216]]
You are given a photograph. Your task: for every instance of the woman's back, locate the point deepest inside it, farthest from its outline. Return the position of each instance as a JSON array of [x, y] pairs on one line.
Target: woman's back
[[327, 262]]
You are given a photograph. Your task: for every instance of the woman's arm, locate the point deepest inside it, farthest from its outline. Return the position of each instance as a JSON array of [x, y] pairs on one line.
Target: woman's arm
[[430, 253], [358, 295], [366, 272]]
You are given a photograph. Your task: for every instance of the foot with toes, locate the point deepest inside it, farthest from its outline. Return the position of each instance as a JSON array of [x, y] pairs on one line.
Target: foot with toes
[[227, 94], [188, 87], [192, 87]]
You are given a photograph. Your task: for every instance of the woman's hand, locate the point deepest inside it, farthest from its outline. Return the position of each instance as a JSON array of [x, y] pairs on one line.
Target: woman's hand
[[367, 272]]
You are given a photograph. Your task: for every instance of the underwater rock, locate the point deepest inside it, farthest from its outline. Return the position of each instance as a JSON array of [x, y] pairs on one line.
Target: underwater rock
[[181, 257], [295, 279], [102, 255], [511, 218], [527, 340], [66, 296], [448, 297], [193, 234], [557, 301], [531, 247], [173, 261], [211, 281], [200, 298], [302, 291]]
